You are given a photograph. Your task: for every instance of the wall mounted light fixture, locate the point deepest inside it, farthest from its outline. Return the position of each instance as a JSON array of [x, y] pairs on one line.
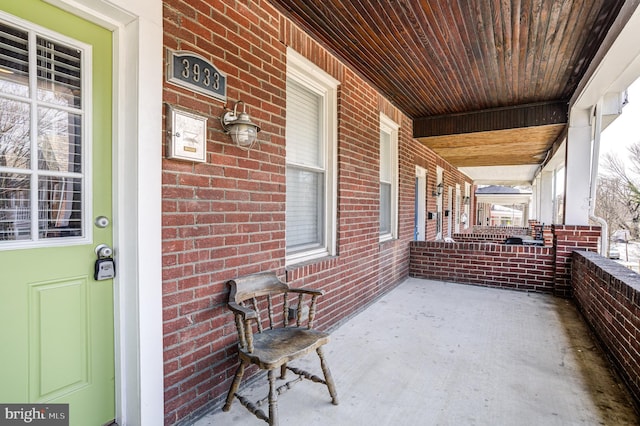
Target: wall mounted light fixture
[[438, 190], [242, 130], [467, 200]]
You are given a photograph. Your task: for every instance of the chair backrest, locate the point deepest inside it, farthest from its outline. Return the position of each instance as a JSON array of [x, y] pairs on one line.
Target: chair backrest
[[256, 285], [252, 295]]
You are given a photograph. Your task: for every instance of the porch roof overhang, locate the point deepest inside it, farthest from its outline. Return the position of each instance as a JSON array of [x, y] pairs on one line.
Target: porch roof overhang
[[504, 199], [502, 195], [487, 84]]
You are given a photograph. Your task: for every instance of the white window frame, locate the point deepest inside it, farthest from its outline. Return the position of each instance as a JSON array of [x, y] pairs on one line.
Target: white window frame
[[307, 74], [390, 127]]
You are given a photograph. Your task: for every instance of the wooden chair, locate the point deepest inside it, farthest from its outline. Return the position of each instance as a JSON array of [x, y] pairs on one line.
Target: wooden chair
[[273, 345]]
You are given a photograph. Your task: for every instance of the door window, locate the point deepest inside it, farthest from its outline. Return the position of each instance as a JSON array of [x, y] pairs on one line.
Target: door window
[[42, 171]]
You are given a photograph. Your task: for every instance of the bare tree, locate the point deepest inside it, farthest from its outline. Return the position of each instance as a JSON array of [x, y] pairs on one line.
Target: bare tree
[[611, 205], [58, 149], [622, 183]]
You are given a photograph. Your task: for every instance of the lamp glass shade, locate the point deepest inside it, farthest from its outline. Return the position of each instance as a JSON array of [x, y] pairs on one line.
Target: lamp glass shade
[[243, 134]]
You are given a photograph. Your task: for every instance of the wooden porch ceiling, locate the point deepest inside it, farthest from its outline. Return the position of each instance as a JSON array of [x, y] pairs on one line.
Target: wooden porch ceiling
[[486, 82]]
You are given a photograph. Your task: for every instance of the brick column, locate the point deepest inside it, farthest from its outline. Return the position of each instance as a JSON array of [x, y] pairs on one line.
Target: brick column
[[566, 239], [547, 236]]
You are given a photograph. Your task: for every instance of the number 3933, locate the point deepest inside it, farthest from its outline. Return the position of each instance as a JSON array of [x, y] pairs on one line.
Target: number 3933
[[194, 72]]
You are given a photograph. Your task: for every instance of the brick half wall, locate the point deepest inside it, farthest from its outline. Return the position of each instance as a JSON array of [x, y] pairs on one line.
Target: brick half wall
[[526, 268], [608, 295], [566, 240], [505, 231], [479, 238], [506, 266]]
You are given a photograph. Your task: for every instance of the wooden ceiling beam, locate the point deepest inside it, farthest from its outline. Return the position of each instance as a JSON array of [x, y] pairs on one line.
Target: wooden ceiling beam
[[522, 116], [527, 145], [528, 135], [493, 160]]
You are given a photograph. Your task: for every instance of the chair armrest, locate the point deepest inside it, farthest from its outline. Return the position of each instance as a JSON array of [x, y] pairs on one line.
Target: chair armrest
[[246, 313], [307, 291]]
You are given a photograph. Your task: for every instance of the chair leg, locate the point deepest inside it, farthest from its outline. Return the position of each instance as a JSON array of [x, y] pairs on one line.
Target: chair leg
[[234, 385], [273, 399], [327, 377], [283, 371]]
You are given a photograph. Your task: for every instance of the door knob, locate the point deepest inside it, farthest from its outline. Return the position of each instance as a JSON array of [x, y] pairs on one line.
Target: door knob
[[102, 221]]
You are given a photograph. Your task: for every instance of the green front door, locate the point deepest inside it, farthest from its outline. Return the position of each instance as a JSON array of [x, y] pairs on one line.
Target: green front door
[[56, 320]]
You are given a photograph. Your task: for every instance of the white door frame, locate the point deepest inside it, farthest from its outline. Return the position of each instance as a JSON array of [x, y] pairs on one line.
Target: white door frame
[[439, 215], [467, 204], [450, 210], [421, 203], [457, 209], [137, 171]]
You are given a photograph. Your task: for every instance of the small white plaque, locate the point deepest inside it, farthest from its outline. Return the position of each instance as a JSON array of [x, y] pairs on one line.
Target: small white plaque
[[187, 135]]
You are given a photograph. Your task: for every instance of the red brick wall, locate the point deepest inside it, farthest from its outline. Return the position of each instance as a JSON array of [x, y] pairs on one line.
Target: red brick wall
[[608, 294], [566, 239], [494, 265], [545, 269], [225, 217]]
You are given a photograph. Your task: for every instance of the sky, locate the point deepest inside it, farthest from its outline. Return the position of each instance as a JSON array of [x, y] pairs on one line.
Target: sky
[[625, 130]]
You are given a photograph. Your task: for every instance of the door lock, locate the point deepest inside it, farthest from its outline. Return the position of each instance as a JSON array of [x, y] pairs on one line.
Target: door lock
[[105, 267]]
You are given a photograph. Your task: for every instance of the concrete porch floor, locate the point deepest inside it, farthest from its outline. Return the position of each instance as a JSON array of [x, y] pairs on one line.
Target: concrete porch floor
[[434, 353]]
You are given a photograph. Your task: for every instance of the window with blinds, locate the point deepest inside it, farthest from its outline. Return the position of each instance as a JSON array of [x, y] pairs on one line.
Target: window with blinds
[[41, 126], [388, 178], [385, 182], [305, 169], [310, 161]]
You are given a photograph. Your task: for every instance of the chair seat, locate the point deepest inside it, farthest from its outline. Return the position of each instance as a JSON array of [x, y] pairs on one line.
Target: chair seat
[[272, 348]]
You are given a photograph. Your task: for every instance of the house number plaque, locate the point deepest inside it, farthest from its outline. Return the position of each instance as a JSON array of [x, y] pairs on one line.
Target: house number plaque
[[193, 72]]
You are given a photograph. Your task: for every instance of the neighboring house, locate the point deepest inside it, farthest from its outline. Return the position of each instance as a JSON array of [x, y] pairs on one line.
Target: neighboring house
[[505, 216], [330, 196], [503, 205]]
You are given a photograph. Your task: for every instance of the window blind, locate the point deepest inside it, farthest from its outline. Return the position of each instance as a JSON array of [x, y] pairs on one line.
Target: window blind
[[304, 116], [305, 169], [385, 182]]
